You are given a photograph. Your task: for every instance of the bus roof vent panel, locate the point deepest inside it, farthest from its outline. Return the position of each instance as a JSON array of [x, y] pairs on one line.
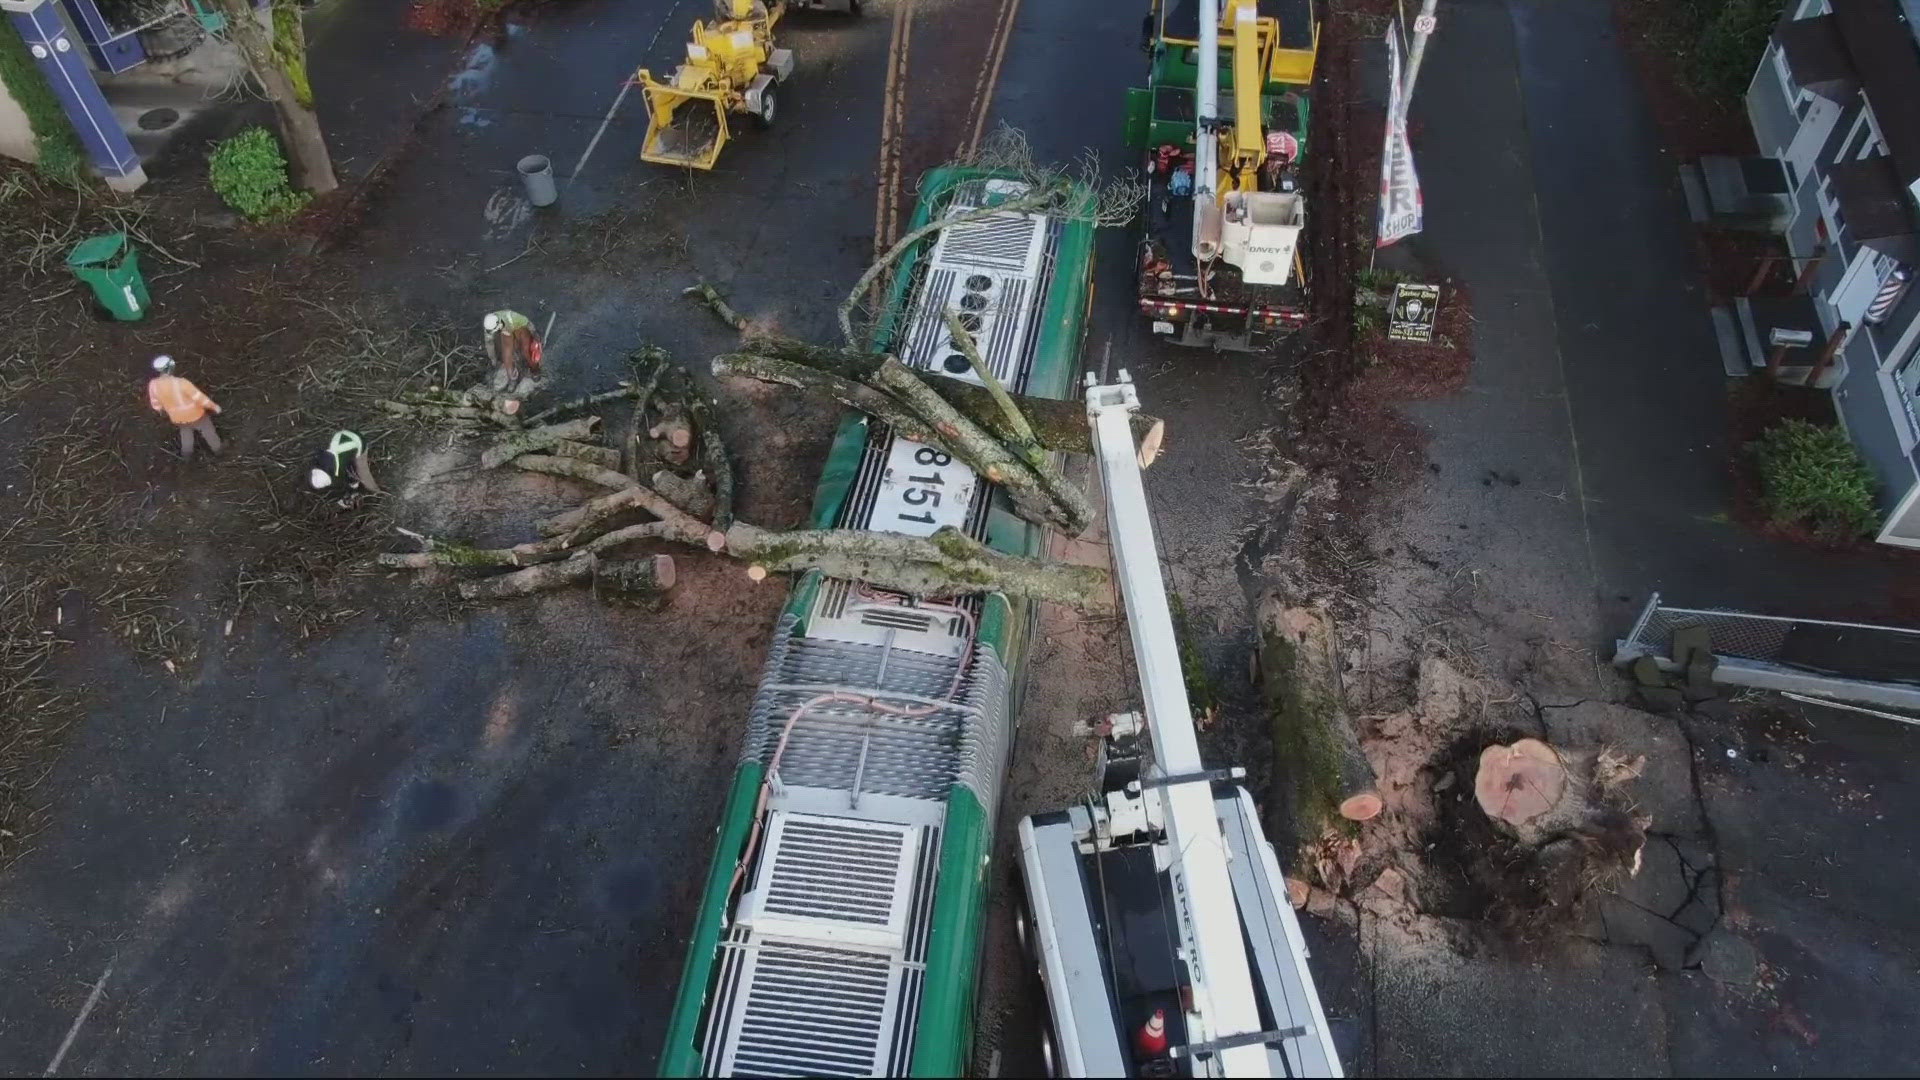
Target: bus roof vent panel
[[836, 881]]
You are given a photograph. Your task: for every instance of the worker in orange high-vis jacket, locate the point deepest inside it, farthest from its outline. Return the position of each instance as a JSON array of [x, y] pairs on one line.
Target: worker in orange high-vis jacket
[[184, 404]]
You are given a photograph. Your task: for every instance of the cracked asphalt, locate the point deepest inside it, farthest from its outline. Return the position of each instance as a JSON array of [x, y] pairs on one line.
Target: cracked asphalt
[[1771, 930]]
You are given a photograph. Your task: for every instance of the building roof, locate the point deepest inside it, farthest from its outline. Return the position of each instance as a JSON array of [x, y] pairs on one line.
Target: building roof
[[1875, 205], [1886, 59], [1817, 57]]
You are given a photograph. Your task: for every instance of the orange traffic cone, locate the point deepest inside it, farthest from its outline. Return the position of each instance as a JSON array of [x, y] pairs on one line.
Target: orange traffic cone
[[1151, 1040]]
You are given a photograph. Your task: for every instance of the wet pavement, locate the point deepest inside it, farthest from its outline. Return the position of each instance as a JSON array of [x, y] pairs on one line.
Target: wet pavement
[[1596, 383], [473, 844]]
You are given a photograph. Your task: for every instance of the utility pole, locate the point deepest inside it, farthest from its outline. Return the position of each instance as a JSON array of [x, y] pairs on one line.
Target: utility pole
[[1423, 25]]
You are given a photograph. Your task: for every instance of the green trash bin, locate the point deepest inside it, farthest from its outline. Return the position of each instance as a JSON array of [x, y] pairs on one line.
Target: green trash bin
[[111, 266]]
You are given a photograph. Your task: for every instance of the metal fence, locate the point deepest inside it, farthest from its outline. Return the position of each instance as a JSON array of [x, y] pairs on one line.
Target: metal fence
[[1847, 661]]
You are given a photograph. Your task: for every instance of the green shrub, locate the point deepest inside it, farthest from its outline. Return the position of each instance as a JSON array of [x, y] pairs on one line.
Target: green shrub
[[1731, 45], [1811, 475], [1716, 44], [58, 148], [250, 174]]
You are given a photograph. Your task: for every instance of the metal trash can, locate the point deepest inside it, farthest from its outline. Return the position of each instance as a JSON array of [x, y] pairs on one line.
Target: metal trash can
[[537, 173], [111, 266]]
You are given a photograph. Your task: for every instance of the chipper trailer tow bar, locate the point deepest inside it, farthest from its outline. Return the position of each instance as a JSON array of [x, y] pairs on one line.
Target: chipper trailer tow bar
[[1156, 910], [732, 66]]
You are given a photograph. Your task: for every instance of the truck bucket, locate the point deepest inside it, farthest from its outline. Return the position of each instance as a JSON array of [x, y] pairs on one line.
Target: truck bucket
[[684, 127]]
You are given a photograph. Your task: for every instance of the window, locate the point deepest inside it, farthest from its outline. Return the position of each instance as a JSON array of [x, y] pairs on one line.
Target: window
[[1862, 141], [1850, 144], [1907, 383], [1779, 58], [1831, 206]]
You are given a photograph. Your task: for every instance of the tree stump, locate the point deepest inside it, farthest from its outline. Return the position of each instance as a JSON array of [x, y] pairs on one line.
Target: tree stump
[[1521, 783]]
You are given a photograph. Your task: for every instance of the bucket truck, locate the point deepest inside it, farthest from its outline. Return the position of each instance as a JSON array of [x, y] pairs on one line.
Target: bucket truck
[[1220, 261], [1155, 910]]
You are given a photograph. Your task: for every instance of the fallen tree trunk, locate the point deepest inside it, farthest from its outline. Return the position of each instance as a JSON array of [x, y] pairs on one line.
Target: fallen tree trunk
[[948, 563], [531, 580], [634, 577], [1314, 742], [587, 514], [854, 395], [688, 493], [603, 456], [1021, 440], [649, 574], [540, 438], [1065, 507], [1057, 424]]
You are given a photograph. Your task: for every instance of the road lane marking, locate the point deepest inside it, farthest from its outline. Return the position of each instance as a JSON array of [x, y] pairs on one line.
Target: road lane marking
[[620, 97], [900, 124], [989, 79], [72, 1032], [886, 194]]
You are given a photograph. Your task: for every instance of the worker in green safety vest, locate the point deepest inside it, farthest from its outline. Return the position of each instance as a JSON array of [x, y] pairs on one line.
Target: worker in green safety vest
[[342, 466], [514, 349]]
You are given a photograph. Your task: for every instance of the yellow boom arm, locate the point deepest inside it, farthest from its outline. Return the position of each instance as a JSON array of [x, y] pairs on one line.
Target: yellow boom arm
[[1249, 71]]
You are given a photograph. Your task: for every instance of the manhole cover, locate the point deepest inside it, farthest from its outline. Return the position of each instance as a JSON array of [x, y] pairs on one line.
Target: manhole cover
[[158, 119]]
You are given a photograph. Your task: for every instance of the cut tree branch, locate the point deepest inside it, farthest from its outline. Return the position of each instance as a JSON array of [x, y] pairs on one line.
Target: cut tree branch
[[712, 298], [681, 526], [948, 563], [523, 442], [1066, 508], [1057, 424], [854, 395], [583, 403]]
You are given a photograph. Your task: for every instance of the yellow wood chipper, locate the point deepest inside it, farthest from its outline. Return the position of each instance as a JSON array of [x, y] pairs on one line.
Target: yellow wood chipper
[[732, 66]]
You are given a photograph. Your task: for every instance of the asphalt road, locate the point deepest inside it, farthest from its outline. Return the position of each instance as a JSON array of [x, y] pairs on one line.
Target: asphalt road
[[472, 844]]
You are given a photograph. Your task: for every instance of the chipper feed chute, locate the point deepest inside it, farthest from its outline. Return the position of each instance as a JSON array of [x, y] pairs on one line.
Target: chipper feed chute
[[685, 127]]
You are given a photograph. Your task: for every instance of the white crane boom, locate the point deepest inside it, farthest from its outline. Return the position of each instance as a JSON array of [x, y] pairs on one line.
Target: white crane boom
[[1224, 1004]]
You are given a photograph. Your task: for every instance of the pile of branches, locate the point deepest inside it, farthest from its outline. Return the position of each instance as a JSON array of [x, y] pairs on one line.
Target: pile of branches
[[687, 498], [1012, 440]]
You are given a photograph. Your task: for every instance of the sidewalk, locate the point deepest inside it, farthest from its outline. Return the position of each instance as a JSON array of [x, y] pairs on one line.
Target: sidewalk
[[1597, 384]]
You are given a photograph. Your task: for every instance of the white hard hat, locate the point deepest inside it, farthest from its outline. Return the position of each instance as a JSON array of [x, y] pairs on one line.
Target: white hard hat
[[320, 479], [491, 323], [163, 363]]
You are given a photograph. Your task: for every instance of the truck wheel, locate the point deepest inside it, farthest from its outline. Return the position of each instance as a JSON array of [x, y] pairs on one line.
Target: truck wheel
[[1023, 929], [769, 102]]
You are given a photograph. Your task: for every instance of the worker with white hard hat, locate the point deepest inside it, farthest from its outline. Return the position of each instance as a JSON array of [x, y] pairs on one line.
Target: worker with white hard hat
[[184, 404], [342, 466], [514, 349]]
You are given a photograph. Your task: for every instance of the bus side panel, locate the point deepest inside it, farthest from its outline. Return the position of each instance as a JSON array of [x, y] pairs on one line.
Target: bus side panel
[[941, 1045], [680, 1055], [944, 1033]]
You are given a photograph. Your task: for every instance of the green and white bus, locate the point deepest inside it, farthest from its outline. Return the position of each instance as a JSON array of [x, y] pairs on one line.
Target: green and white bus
[[839, 932]]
